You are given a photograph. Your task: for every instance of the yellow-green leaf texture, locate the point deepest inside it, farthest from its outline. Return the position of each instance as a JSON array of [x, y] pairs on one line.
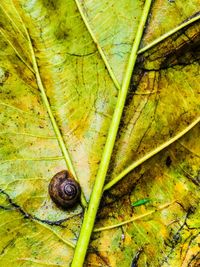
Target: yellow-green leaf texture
[[78, 50]]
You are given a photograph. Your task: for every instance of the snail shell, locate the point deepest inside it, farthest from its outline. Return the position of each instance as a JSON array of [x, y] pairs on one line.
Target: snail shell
[[64, 190]]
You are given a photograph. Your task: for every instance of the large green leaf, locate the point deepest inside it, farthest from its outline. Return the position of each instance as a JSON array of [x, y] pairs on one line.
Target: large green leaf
[[62, 66]]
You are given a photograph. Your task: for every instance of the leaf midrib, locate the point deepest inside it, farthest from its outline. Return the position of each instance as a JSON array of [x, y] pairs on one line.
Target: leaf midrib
[[90, 214], [56, 128], [160, 39]]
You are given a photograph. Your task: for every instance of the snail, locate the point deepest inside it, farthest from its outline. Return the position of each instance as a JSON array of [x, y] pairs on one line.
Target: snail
[[64, 190]]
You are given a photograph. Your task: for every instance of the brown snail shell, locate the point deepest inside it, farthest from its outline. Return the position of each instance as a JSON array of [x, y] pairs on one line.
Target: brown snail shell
[[64, 190]]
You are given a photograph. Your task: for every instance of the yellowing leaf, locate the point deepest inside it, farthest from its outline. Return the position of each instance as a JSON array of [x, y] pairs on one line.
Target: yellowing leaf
[[63, 67]]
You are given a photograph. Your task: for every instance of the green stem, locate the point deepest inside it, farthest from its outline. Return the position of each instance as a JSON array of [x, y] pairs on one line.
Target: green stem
[[168, 34], [90, 214], [149, 155]]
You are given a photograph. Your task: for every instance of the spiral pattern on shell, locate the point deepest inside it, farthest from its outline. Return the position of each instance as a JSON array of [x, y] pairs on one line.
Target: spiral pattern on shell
[[64, 190]]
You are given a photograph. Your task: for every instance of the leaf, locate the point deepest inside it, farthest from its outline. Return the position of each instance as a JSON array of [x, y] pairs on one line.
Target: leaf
[[95, 111], [30, 153], [114, 43], [62, 68], [163, 233], [160, 74], [29, 242]]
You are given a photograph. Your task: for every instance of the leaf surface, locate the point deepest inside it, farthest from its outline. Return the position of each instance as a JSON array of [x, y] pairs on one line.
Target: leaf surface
[[78, 51], [164, 232], [163, 99]]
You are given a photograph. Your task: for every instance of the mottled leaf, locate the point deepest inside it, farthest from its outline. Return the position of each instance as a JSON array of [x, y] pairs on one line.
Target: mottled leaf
[[62, 64]]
